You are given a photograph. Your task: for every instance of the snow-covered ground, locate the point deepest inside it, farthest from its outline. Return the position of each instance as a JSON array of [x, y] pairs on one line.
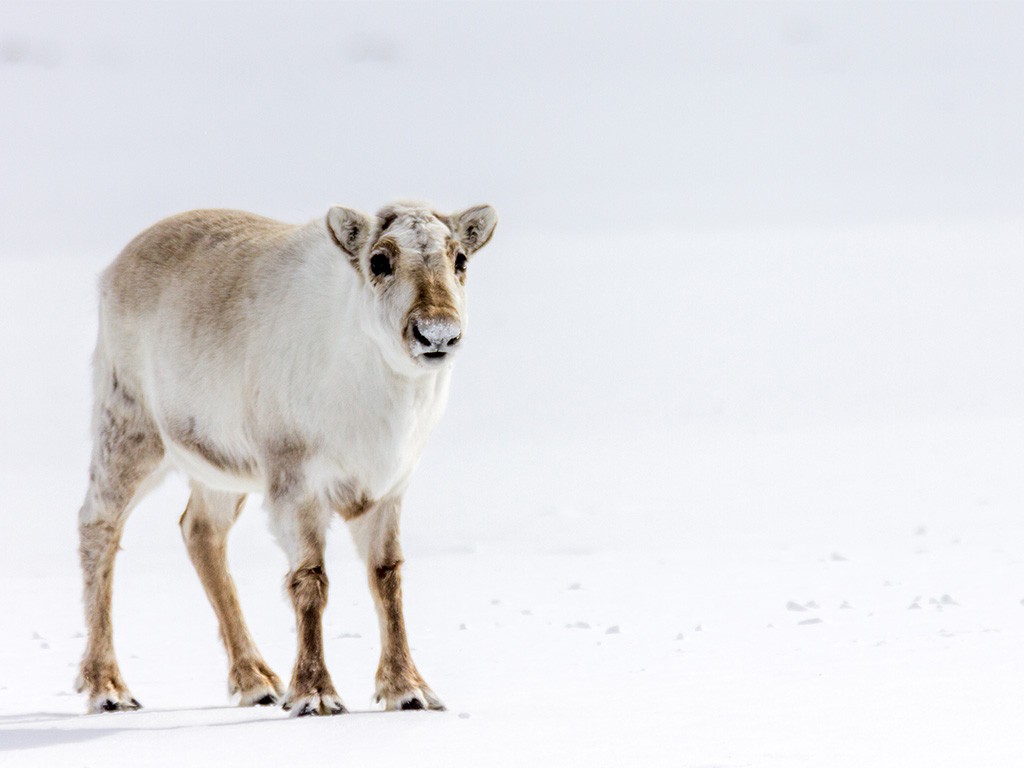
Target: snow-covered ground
[[733, 468]]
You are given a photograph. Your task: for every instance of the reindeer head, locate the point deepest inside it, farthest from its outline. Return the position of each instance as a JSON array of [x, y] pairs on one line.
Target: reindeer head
[[412, 263]]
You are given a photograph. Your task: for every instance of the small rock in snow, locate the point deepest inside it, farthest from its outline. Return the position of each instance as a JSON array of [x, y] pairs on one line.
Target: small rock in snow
[[845, 606], [463, 626], [947, 600], [914, 606], [794, 606], [575, 585], [679, 636], [612, 630], [78, 635], [349, 635], [44, 645], [1022, 601], [526, 612], [805, 622], [698, 628], [578, 625], [37, 636], [463, 715], [920, 530], [810, 604], [887, 583], [838, 558], [495, 601]]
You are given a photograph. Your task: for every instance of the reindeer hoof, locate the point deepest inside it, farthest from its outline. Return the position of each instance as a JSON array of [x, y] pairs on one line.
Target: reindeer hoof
[[315, 704], [255, 683], [311, 710], [110, 705], [419, 697]]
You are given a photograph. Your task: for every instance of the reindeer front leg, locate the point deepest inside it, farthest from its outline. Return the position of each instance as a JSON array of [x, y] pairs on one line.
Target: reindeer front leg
[[300, 528], [399, 684]]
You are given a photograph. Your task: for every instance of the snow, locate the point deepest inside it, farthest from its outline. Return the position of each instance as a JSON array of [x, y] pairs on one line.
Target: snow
[[732, 469]]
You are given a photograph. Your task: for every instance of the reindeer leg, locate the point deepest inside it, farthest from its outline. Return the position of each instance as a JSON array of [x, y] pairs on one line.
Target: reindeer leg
[[299, 522], [399, 683], [204, 526], [127, 455]]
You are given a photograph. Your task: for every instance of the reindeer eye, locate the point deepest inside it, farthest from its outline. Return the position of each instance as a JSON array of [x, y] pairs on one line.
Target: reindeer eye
[[380, 264], [460, 262]]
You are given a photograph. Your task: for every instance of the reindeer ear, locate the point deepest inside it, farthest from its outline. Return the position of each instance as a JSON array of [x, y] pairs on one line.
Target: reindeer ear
[[350, 229], [474, 226]]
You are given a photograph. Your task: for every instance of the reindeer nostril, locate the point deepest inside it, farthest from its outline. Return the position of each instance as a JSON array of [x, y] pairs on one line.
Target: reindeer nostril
[[420, 337], [453, 342]]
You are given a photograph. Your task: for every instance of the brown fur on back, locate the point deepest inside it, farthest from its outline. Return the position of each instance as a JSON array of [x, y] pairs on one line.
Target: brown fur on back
[[210, 250]]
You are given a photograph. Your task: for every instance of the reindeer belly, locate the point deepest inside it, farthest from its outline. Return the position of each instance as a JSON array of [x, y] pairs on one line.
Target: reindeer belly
[[207, 457]]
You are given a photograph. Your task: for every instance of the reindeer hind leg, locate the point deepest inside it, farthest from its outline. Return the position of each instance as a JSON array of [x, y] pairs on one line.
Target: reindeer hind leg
[[127, 457]]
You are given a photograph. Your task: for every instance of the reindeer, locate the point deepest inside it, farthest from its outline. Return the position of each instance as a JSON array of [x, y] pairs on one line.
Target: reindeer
[[305, 363]]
